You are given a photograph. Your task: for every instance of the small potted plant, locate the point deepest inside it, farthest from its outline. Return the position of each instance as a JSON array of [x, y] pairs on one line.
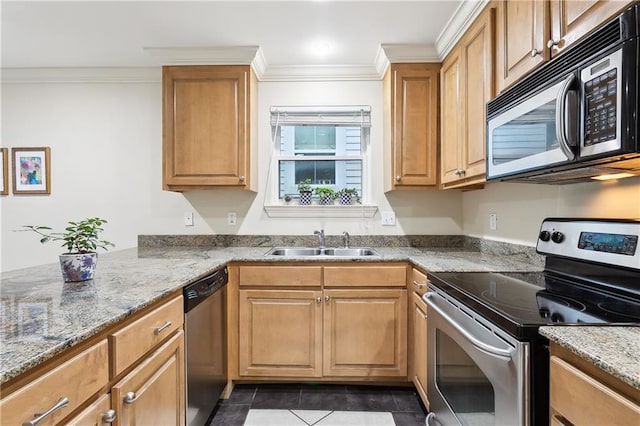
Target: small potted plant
[[287, 198], [304, 189], [81, 241], [327, 195], [346, 196]]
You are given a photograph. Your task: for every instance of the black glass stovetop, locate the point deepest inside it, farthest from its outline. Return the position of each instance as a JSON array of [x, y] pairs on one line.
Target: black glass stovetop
[[520, 302]]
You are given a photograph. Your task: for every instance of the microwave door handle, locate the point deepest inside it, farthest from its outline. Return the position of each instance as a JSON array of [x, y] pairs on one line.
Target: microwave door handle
[[503, 354], [561, 118]]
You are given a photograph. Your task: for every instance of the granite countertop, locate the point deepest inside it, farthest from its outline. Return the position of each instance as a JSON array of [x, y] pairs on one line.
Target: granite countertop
[[41, 316], [614, 349]]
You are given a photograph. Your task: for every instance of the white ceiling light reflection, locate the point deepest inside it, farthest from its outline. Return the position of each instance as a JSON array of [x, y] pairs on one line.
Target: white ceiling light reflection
[[320, 49]]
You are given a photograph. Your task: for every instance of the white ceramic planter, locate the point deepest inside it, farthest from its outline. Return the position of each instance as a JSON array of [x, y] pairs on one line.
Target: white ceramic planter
[[78, 267]]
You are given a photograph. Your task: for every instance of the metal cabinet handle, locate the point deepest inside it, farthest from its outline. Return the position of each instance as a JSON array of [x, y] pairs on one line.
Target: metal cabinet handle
[[159, 330], [430, 416], [398, 178], [242, 178], [327, 298], [535, 52], [551, 43], [62, 402], [419, 285], [130, 397], [318, 299], [109, 416]]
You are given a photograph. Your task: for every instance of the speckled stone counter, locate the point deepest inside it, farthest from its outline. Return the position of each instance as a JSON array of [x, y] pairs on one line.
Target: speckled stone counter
[[613, 349], [41, 316]]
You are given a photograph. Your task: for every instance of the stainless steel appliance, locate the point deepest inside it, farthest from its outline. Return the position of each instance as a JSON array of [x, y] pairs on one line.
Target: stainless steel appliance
[[205, 307], [574, 118], [486, 362]]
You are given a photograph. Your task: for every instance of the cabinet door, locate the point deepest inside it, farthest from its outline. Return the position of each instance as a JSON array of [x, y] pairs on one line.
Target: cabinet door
[[206, 126], [451, 116], [572, 19], [414, 125], [521, 36], [420, 347], [97, 414], [365, 333], [572, 395], [153, 393], [280, 333]]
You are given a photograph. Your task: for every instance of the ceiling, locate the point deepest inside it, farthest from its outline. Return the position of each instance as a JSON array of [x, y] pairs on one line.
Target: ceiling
[[50, 34]]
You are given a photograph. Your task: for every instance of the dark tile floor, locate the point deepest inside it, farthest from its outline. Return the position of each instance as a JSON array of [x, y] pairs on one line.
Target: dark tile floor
[[403, 402]]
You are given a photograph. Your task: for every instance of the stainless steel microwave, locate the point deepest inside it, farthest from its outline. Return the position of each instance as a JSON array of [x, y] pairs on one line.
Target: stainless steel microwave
[[574, 118]]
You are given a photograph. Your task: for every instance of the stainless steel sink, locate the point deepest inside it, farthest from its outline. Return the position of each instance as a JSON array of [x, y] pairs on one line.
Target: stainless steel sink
[[351, 252], [294, 251], [316, 252]]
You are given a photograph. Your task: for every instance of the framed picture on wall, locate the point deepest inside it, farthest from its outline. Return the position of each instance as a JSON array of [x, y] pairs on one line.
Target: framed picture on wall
[[4, 171], [31, 170]]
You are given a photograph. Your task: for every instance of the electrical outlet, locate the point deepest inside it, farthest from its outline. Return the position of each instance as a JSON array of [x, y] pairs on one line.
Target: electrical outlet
[[231, 218], [493, 221], [388, 218], [188, 218]]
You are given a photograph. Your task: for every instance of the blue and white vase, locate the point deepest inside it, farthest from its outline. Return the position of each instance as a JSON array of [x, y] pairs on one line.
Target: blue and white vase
[[78, 267]]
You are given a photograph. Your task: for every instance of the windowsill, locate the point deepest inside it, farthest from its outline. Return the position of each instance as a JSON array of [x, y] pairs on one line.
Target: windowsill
[[297, 210]]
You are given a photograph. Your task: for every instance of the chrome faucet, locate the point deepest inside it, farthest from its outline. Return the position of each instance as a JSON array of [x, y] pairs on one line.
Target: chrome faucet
[[345, 239], [321, 240]]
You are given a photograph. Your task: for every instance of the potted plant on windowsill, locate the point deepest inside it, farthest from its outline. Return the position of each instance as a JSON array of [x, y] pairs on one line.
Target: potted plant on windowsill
[[81, 241], [327, 195], [305, 191], [346, 196]]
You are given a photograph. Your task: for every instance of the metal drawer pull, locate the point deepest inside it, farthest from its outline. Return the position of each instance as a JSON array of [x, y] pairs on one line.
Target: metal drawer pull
[[318, 299], [62, 402], [419, 285], [158, 330], [109, 416], [130, 397], [327, 298]]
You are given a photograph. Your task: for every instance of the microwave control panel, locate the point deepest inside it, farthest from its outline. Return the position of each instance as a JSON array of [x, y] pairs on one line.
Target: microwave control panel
[[601, 83]]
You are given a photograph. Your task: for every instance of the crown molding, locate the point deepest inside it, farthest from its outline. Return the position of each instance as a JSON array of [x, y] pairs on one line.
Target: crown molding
[[459, 22], [82, 75], [321, 73]]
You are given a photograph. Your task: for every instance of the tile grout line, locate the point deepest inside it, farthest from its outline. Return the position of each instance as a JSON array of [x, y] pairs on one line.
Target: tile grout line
[[311, 424]]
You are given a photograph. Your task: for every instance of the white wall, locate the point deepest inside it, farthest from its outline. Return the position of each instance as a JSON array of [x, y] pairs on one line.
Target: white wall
[[521, 207], [106, 139]]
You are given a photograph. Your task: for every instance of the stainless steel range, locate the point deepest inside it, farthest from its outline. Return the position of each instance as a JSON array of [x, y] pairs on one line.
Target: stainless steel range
[[486, 362]]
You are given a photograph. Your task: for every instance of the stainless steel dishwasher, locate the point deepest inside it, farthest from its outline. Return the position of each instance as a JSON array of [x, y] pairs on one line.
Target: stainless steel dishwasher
[[205, 312]]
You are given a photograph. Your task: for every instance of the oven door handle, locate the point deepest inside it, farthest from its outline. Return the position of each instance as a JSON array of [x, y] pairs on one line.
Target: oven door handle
[[502, 354]]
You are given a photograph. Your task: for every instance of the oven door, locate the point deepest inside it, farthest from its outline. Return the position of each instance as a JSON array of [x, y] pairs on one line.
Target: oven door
[[535, 134], [477, 374]]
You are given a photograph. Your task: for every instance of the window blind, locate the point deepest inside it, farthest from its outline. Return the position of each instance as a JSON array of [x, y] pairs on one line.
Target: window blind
[[319, 116]]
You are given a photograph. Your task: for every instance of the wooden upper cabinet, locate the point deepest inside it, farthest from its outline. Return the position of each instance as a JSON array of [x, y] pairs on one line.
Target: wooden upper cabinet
[[207, 127], [411, 126], [522, 34], [467, 85], [573, 19]]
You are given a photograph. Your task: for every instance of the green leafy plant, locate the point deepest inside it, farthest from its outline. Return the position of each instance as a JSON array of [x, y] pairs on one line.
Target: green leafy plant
[[304, 185], [78, 237], [287, 198], [352, 191], [324, 192]]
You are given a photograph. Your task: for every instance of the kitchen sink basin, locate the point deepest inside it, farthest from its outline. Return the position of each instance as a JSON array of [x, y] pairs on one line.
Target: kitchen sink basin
[[317, 252]]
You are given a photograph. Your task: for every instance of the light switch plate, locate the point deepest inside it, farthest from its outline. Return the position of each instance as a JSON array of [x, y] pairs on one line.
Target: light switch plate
[[388, 218], [188, 218], [231, 218], [493, 221]]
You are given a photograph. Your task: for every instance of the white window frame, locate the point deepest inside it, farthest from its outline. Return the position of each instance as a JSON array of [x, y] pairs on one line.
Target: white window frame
[[354, 116]]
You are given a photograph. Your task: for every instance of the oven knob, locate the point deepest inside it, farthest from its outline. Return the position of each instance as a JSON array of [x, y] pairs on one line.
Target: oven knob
[[557, 237], [544, 235], [556, 317], [544, 313]]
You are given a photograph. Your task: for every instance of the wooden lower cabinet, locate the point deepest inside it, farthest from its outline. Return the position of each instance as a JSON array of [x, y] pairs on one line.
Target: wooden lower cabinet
[[280, 333], [153, 393], [97, 414], [365, 333]]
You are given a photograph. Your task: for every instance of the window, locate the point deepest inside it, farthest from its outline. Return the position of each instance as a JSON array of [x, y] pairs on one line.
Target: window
[[326, 146]]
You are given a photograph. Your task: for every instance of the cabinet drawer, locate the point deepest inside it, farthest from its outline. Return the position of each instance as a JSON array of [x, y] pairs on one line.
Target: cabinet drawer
[[298, 276], [131, 342], [418, 282], [77, 379], [365, 276], [572, 397]]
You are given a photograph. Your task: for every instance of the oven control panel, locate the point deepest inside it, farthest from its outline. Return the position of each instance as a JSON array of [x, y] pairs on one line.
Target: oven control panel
[[613, 242]]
